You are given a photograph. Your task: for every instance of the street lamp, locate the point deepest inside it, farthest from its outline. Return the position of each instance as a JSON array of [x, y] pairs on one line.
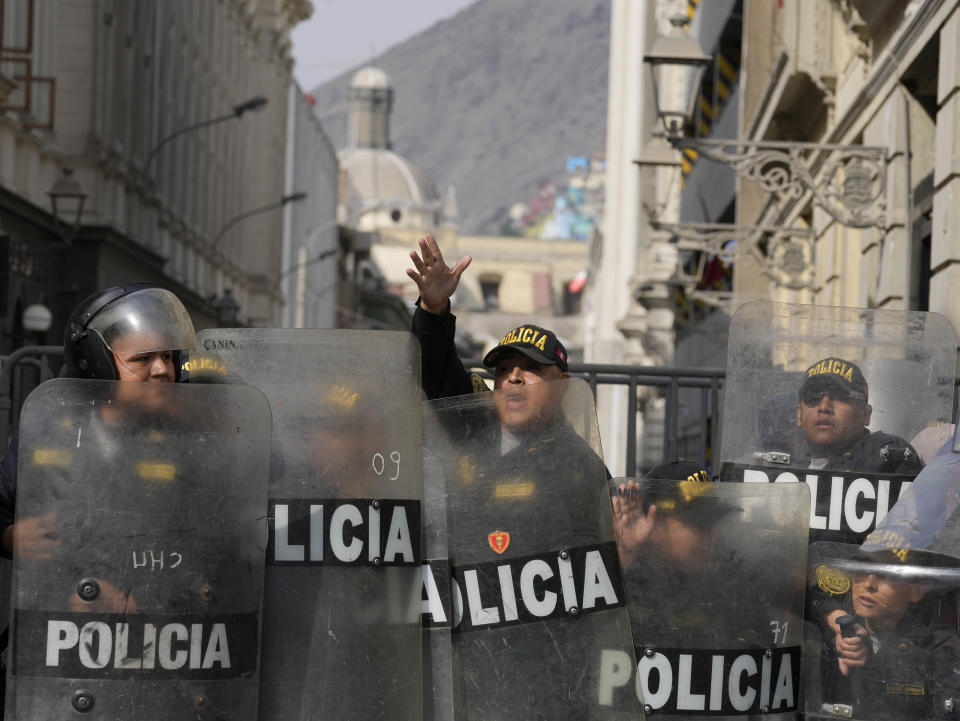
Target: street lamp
[[66, 202], [253, 104], [227, 309], [847, 181], [294, 197], [303, 264], [658, 153], [37, 318], [675, 110]]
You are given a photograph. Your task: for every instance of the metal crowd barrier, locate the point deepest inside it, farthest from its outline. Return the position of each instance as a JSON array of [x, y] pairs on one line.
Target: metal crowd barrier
[[21, 372], [703, 382], [27, 367]]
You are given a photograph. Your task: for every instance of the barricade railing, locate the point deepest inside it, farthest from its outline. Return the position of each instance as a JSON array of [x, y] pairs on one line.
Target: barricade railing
[[29, 366], [707, 383], [21, 372]]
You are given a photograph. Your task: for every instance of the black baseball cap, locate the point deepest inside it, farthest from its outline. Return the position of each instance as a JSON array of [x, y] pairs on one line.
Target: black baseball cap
[[535, 342], [685, 489], [831, 374]]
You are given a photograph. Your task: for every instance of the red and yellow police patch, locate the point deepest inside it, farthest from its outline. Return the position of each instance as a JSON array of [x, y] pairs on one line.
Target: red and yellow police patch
[[498, 540]]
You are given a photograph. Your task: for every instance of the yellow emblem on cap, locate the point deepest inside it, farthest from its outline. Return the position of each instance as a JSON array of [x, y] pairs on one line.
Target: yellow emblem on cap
[[834, 582], [833, 367], [692, 488]]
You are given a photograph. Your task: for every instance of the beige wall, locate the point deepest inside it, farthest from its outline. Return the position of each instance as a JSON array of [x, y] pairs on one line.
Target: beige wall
[[832, 72]]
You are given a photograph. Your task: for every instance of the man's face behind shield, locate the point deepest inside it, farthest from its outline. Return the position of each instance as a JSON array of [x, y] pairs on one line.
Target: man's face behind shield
[[524, 398], [135, 365], [831, 418]]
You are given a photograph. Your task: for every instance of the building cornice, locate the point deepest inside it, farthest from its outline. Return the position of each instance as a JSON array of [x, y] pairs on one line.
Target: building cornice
[[907, 44]]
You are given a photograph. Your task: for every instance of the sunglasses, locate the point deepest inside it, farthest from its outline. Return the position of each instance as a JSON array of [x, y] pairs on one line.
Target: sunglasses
[[811, 397]]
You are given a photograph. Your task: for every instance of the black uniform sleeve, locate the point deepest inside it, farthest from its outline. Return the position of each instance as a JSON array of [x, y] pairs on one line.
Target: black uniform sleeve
[[8, 488], [945, 668], [442, 373]]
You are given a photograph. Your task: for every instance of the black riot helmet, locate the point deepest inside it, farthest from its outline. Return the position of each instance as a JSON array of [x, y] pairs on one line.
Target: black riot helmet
[[153, 317]]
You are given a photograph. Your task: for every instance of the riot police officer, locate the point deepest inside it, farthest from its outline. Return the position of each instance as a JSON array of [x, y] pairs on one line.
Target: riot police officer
[[133, 332], [883, 655], [833, 412], [673, 510]]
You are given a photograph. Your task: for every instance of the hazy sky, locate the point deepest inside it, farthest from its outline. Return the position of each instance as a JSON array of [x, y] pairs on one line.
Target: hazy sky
[[344, 33]]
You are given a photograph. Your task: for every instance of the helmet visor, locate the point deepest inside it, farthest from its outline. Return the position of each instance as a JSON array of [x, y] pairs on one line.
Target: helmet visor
[[146, 321]]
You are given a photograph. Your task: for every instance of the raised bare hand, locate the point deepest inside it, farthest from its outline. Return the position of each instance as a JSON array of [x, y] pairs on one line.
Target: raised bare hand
[[436, 280], [633, 527]]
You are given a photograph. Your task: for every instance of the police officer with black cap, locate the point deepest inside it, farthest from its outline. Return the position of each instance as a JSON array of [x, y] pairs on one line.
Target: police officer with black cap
[[133, 332], [671, 512], [833, 412]]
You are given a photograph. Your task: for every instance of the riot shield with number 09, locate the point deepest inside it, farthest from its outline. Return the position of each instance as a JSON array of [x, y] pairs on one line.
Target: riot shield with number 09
[[341, 630]]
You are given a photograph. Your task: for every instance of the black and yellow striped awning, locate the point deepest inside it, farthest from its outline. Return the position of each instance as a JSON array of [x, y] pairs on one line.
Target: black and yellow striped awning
[[714, 92]]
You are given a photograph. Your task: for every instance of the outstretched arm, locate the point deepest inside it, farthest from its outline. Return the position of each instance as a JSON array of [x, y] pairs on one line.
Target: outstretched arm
[[436, 280], [442, 373]]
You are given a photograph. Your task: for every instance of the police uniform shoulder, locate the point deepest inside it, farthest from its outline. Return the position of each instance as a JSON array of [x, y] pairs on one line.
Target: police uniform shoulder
[[893, 448], [479, 385], [880, 438]]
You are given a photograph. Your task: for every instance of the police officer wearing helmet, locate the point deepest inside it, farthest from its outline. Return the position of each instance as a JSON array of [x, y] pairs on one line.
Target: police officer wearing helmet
[[833, 412], [133, 332]]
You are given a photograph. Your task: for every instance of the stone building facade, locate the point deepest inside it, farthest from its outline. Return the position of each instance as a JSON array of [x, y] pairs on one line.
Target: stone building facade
[[882, 74], [876, 75], [104, 87]]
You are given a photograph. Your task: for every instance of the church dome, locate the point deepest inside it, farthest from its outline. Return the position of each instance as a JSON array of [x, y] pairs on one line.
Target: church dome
[[379, 174], [370, 78], [383, 189]]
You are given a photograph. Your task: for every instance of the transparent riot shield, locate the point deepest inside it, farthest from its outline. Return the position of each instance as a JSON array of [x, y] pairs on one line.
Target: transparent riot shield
[[436, 609], [138, 556], [341, 628], [714, 574], [538, 615], [833, 397], [881, 636]]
